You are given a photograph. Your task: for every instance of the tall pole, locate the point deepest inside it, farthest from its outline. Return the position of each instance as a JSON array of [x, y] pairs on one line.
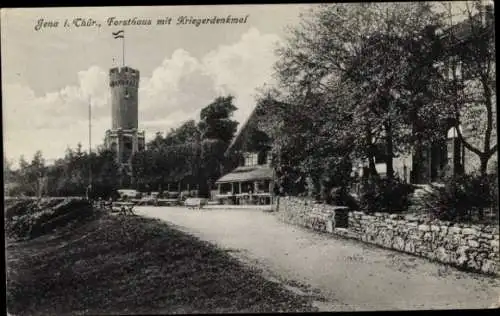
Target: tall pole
[[90, 147], [123, 49]]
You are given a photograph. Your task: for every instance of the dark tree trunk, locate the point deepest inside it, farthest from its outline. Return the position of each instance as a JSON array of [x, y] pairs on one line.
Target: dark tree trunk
[[484, 164], [372, 171], [389, 151]]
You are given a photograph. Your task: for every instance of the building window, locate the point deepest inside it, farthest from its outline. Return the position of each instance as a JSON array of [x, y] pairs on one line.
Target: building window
[[251, 159], [225, 188], [247, 187], [263, 186]]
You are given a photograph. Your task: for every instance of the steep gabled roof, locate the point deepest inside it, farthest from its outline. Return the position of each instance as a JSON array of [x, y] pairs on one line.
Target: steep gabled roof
[[242, 131], [263, 117]]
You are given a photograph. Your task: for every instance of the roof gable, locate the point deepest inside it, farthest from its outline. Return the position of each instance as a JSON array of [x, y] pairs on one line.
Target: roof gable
[[263, 118]]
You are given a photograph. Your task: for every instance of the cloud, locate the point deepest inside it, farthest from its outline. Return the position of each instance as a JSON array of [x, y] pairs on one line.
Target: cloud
[[179, 83], [242, 67], [174, 92]]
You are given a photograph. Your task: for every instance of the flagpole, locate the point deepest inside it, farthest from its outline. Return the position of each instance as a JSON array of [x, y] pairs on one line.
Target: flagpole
[[90, 147], [123, 49]]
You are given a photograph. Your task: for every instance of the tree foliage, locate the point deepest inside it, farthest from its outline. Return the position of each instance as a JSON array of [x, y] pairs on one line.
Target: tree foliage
[[187, 132], [68, 176], [194, 164], [215, 120], [191, 155], [358, 75]]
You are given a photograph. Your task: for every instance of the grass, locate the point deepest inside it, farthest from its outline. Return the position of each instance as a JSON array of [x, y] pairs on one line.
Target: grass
[[134, 265]]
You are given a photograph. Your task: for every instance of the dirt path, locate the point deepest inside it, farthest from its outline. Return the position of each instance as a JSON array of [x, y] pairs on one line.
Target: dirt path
[[348, 275]]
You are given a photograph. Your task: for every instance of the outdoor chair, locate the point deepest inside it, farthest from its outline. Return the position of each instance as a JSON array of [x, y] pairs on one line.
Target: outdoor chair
[[127, 209]]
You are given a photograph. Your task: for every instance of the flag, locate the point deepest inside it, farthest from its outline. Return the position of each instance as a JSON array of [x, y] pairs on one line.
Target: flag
[[119, 34]]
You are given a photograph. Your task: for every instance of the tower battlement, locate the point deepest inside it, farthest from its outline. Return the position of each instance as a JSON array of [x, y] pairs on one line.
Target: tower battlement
[[122, 70], [124, 76]]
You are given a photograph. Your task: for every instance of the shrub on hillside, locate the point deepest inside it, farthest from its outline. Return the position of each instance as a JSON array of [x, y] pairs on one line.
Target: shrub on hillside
[[460, 198], [385, 195], [32, 218], [18, 207]]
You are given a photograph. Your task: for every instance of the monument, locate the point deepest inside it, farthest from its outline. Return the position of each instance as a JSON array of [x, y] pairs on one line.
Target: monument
[[124, 138]]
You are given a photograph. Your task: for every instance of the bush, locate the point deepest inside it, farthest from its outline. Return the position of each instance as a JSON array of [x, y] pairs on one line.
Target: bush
[[461, 198], [32, 218], [17, 207], [384, 195], [340, 196]]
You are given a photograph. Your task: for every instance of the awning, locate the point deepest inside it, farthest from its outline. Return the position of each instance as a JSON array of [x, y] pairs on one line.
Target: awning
[[250, 173]]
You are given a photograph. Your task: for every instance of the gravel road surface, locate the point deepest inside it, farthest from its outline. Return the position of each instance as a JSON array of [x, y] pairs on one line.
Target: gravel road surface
[[341, 274]]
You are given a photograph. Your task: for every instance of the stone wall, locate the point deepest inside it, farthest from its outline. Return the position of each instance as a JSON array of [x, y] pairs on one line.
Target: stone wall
[[465, 246], [306, 213], [471, 247]]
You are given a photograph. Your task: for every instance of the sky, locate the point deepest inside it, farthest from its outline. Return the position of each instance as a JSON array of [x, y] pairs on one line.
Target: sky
[[49, 75]]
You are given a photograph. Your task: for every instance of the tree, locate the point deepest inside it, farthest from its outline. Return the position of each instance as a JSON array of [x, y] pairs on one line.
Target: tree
[[355, 57], [38, 162], [30, 174], [192, 154], [10, 176], [398, 83], [157, 142], [469, 53], [211, 163], [143, 166], [187, 132], [54, 174], [305, 143], [106, 173], [25, 187], [7, 169], [215, 120], [37, 172]]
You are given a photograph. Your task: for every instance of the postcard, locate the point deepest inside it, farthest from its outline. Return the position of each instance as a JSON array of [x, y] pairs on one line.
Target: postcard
[[250, 158]]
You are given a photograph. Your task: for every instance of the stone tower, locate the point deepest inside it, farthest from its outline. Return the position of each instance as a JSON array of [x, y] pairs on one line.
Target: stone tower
[[124, 84], [124, 138]]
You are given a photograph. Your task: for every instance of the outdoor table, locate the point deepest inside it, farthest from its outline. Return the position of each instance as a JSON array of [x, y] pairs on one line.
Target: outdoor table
[[193, 203], [124, 208]]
